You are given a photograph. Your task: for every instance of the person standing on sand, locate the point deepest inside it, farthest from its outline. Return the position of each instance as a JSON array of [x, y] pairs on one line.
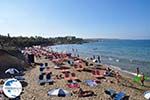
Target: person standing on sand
[[93, 56], [137, 71], [142, 79], [117, 76], [99, 59]]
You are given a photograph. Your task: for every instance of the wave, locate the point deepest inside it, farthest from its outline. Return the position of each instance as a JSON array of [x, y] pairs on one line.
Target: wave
[[121, 70]]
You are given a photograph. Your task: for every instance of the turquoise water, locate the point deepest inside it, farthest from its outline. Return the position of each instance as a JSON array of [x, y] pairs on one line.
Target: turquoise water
[[126, 54]]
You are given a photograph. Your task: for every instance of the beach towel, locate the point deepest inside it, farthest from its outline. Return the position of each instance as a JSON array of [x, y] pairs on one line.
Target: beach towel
[[111, 92], [137, 78], [91, 83], [73, 85], [119, 96]]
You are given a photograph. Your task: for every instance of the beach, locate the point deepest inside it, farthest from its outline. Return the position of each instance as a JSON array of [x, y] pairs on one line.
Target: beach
[[33, 91], [75, 50]]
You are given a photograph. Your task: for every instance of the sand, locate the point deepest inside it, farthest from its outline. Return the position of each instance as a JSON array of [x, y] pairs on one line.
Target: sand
[[33, 91]]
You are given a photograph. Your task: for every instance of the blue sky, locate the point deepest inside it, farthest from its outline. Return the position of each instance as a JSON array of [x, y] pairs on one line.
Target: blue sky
[[127, 19]]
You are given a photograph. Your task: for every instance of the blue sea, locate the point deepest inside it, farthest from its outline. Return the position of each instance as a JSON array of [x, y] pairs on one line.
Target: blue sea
[[125, 54]]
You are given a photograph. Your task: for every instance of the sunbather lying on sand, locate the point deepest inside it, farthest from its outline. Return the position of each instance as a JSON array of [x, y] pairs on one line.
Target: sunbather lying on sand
[[59, 76], [82, 93]]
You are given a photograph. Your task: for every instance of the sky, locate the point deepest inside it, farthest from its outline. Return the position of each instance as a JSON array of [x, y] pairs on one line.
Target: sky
[[123, 19]]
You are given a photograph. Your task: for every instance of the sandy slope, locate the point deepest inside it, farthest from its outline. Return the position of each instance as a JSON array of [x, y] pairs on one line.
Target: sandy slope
[[9, 61]]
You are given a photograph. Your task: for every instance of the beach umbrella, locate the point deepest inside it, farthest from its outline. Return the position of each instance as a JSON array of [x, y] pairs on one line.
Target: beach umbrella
[[58, 92], [147, 95], [11, 71], [90, 83]]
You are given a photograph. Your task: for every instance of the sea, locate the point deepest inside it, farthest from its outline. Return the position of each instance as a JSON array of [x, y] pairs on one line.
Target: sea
[[126, 55]]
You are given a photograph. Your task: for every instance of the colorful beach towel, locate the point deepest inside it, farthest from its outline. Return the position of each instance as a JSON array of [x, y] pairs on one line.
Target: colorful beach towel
[[137, 78]]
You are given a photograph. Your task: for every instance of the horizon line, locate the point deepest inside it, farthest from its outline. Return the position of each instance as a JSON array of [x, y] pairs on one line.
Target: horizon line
[[79, 37]]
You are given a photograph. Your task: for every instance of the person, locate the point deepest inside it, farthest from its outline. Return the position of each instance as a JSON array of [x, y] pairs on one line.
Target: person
[[82, 93], [1, 81], [118, 76], [137, 71], [108, 72], [142, 79], [59, 76], [93, 56], [99, 59]]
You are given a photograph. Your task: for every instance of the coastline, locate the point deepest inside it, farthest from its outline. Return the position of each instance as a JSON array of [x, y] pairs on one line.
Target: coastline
[[124, 73], [114, 53], [133, 92], [33, 91]]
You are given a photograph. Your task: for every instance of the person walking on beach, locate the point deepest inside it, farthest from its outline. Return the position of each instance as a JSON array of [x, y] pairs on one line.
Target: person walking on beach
[[117, 76], [93, 56], [142, 79], [99, 59], [137, 71]]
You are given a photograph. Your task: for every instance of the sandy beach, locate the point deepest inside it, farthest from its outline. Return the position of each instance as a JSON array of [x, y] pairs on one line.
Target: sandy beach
[[74, 49], [33, 91]]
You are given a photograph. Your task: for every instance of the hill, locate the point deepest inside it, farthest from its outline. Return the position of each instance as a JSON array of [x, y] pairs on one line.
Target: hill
[[8, 61]]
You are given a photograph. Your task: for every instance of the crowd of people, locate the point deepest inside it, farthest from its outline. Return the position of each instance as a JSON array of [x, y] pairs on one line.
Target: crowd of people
[[59, 58], [77, 63]]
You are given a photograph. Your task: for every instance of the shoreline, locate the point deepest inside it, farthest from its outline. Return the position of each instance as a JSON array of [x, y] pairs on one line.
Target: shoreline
[[126, 65], [117, 68], [34, 91]]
